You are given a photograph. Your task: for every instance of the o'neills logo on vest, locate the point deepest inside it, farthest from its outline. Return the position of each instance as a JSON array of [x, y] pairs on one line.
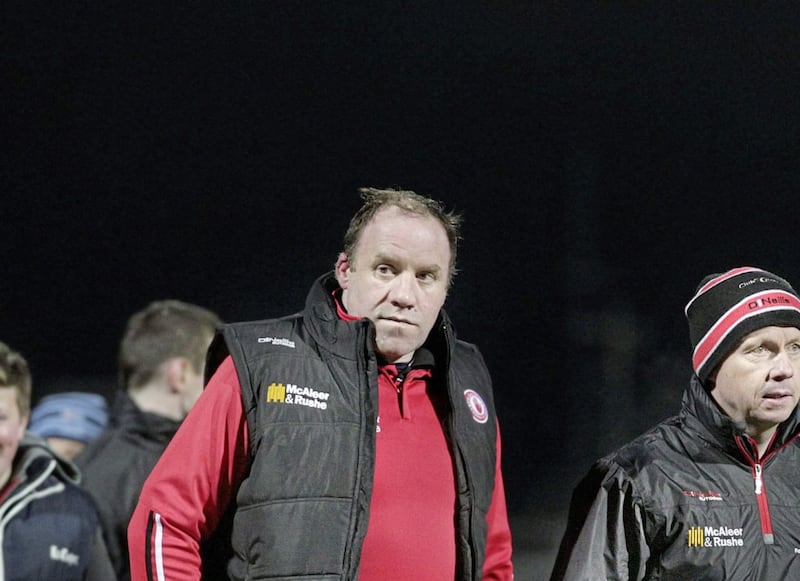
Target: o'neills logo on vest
[[293, 394], [480, 413]]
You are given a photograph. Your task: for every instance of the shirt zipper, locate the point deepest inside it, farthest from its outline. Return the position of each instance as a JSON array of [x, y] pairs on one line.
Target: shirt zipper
[[398, 385]]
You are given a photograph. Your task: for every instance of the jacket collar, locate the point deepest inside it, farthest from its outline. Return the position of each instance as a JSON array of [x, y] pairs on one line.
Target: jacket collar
[[338, 336], [125, 415], [703, 414], [34, 457]]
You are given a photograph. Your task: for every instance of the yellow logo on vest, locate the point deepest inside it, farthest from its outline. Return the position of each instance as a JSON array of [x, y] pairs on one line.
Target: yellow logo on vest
[[715, 537], [276, 392], [293, 394]]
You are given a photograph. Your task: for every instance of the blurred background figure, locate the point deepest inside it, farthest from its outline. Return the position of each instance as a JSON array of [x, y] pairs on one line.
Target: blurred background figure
[[68, 421], [50, 528], [161, 362]]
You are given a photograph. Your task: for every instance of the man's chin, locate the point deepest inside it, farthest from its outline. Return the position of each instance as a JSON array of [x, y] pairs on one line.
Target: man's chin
[[395, 350]]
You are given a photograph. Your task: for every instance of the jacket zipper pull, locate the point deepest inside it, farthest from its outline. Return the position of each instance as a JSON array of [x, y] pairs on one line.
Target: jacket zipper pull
[[398, 386], [759, 481]]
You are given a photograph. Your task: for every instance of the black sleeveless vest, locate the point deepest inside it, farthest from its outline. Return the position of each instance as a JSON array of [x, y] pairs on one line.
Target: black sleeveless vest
[[310, 394]]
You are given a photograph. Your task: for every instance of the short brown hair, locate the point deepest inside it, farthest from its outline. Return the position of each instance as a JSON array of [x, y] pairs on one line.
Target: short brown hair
[[14, 373], [376, 199], [161, 331]]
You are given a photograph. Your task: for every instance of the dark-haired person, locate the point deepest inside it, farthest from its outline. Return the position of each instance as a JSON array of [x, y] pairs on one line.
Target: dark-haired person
[[356, 439], [713, 492], [49, 528], [161, 365]]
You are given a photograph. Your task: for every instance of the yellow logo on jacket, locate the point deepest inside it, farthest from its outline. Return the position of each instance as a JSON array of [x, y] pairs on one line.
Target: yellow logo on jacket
[[715, 537], [696, 537]]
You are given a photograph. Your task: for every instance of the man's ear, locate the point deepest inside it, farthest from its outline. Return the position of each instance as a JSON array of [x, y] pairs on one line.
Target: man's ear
[[342, 270], [176, 373]]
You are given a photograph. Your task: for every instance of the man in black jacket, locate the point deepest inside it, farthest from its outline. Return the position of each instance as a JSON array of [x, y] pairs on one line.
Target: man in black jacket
[[161, 365], [711, 493]]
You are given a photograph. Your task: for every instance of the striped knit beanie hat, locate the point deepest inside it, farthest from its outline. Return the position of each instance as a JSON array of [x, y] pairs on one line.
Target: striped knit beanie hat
[[728, 306]]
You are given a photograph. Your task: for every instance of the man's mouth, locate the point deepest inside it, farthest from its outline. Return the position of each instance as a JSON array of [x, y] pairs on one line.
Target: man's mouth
[[398, 320], [777, 395]]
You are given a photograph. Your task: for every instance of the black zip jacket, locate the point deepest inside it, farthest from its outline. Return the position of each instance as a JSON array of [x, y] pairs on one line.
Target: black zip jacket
[[115, 466], [689, 500]]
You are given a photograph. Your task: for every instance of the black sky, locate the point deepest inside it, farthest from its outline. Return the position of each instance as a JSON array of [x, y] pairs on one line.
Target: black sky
[[605, 157]]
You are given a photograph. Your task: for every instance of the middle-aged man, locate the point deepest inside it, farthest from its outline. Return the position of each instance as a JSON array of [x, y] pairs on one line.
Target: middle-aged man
[[356, 439], [713, 493], [161, 367]]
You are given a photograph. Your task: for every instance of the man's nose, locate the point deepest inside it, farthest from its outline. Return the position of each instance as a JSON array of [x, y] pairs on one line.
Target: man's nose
[[402, 290], [783, 366]]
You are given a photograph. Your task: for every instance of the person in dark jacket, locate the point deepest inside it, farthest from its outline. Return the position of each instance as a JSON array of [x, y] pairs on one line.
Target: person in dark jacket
[[161, 366], [49, 527], [356, 439], [713, 492]]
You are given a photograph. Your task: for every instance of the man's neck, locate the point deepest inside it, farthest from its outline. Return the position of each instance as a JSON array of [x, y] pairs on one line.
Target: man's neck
[[762, 439], [152, 399]]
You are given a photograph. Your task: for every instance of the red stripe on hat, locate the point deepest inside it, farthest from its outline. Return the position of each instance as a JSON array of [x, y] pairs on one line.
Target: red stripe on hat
[[755, 304], [721, 278]]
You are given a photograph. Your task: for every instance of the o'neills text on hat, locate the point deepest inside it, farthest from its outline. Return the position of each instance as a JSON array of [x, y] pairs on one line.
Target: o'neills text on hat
[[730, 305]]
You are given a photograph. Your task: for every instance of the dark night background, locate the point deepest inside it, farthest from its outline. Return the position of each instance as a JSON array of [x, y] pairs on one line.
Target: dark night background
[[606, 157]]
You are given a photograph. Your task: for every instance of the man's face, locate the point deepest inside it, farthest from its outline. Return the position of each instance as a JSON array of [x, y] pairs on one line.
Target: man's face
[[398, 279], [757, 383], [12, 429]]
